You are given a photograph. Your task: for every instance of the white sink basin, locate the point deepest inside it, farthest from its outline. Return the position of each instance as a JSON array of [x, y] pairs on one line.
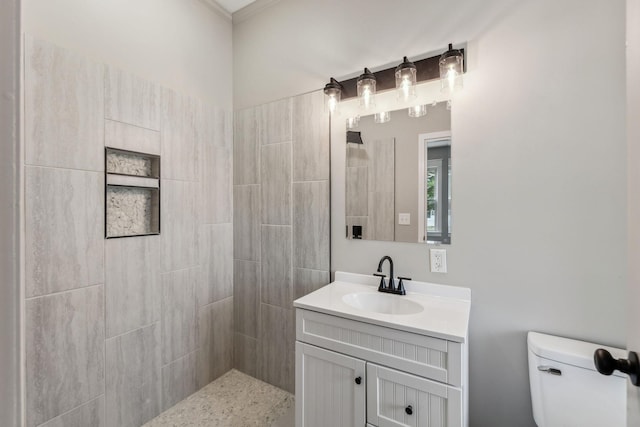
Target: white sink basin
[[382, 303]]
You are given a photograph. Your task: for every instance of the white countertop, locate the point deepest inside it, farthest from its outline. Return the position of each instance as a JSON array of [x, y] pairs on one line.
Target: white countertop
[[445, 314]]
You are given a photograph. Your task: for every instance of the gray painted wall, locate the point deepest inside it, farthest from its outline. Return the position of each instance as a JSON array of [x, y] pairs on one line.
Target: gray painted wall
[[633, 159], [539, 162], [9, 214]]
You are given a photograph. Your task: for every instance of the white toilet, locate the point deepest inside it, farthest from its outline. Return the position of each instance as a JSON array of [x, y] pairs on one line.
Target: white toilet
[[566, 389]]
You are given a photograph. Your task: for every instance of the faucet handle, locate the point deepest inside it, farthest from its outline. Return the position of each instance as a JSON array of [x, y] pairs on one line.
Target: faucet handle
[[401, 290], [382, 283]]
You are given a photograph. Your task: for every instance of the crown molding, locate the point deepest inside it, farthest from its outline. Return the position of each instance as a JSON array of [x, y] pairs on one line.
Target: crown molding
[[251, 10], [213, 5]]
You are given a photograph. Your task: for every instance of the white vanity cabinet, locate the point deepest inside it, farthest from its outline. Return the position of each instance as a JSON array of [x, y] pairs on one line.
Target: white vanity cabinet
[[350, 373], [357, 369], [332, 386], [396, 398]]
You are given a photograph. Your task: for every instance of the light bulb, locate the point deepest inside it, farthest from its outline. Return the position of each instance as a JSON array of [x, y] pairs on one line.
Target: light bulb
[[382, 117], [451, 78], [333, 103], [417, 111], [451, 68], [352, 122], [406, 80], [406, 86], [366, 87], [333, 91], [366, 97]]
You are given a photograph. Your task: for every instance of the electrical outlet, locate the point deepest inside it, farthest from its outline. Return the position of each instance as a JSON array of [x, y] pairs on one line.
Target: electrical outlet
[[404, 219], [438, 260]]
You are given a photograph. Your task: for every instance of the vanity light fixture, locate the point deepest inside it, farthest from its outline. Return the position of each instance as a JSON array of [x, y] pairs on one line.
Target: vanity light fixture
[[406, 80], [418, 111], [382, 117], [366, 87], [451, 69], [352, 122], [333, 90]]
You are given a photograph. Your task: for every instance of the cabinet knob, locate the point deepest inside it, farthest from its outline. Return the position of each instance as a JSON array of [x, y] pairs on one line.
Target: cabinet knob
[[359, 380], [408, 410]]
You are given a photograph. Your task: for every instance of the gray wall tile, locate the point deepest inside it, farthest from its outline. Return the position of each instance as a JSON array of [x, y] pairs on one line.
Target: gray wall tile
[[246, 157], [275, 183], [219, 126], [275, 121], [130, 99], [179, 224], [246, 297], [357, 156], [311, 225], [89, 414], [216, 263], [215, 330], [356, 193], [245, 354], [246, 222], [217, 189], [276, 266], [179, 313], [130, 137], [381, 154], [64, 108], [64, 336], [179, 380], [306, 281], [132, 286], [133, 377], [310, 137], [64, 221], [182, 134], [381, 221], [275, 354]]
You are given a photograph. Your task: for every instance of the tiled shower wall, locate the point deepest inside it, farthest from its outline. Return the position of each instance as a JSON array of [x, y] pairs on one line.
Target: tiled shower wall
[[118, 330], [281, 234]]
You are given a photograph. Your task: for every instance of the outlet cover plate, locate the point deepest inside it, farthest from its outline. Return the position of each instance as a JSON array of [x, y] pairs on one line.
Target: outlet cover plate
[[404, 219], [438, 260]]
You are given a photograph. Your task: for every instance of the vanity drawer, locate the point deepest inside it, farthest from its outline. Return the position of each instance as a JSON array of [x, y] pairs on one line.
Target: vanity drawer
[[430, 357], [398, 399]]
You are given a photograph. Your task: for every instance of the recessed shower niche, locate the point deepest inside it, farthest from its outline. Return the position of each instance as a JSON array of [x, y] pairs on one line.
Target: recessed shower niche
[[132, 193]]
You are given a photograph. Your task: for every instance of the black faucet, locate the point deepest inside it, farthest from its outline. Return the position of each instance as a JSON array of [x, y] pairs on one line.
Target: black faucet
[[391, 289]]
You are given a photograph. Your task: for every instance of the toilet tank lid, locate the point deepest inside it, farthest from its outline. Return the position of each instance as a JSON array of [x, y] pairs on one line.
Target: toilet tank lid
[[569, 351]]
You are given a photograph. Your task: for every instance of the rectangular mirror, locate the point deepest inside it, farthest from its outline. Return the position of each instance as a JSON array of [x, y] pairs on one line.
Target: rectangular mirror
[[398, 177]]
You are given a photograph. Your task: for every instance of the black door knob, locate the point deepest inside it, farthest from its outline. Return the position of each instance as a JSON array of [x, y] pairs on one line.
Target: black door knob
[[606, 364], [359, 380], [408, 410]]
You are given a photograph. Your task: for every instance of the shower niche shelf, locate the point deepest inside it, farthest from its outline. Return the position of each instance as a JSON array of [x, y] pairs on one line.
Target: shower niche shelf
[[132, 193]]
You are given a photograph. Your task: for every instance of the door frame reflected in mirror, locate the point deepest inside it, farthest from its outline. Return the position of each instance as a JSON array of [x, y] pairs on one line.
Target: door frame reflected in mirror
[[443, 235]]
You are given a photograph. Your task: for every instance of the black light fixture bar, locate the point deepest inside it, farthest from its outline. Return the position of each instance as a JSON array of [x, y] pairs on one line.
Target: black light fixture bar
[[427, 69]]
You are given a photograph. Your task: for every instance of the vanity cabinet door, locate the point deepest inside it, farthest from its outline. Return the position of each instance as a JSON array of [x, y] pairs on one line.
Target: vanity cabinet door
[[396, 398], [330, 388]]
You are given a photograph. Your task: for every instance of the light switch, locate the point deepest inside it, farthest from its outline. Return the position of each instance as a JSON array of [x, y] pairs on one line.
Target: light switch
[[404, 219]]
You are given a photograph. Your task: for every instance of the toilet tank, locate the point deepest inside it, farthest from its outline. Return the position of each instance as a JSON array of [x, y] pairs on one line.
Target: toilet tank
[[566, 389]]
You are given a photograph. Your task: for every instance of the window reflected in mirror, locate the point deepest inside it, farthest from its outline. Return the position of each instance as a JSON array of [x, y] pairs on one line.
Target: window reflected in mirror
[[398, 177], [436, 149]]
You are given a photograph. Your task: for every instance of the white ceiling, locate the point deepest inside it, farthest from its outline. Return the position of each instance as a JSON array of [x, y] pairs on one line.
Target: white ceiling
[[233, 5]]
